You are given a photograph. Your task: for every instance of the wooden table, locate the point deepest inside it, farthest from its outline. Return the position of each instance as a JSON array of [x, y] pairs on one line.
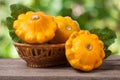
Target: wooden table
[[16, 69]]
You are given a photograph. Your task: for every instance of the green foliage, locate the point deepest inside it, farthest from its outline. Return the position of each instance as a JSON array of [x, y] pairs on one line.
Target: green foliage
[[16, 9], [9, 22], [107, 36], [66, 12]]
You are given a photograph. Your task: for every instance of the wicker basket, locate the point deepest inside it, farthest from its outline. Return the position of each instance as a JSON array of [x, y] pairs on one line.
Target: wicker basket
[[43, 55]]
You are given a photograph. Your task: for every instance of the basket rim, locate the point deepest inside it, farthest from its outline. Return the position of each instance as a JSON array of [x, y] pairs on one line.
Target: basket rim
[[38, 45]]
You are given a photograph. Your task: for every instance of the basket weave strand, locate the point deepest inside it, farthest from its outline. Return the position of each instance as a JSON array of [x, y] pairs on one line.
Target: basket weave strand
[[43, 55]]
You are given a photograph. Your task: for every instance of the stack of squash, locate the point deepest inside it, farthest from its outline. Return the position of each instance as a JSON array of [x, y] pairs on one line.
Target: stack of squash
[[84, 50]]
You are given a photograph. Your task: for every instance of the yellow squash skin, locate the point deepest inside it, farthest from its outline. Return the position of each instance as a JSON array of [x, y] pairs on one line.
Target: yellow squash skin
[[35, 27], [66, 26], [84, 51]]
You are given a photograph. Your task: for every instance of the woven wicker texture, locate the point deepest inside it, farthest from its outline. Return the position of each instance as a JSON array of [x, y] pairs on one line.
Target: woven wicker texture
[[43, 55]]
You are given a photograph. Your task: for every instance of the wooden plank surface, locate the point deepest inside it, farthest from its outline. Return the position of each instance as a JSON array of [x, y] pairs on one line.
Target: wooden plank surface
[[16, 69]]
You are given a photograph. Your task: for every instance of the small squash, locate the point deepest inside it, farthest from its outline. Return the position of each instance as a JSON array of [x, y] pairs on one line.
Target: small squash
[[84, 51], [35, 27], [66, 26]]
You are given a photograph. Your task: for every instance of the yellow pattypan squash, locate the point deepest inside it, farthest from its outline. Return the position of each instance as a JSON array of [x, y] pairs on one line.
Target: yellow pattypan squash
[[84, 51], [35, 27], [65, 28]]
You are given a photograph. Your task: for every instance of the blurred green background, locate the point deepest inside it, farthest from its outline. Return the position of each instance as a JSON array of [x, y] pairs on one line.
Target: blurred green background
[[88, 13]]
